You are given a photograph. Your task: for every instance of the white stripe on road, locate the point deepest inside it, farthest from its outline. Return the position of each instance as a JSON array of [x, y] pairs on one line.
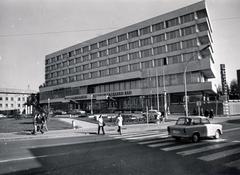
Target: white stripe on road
[[219, 155], [182, 146], [155, 141], [145, 137], [234, 164], [206, 148], [133, 134], [160, 144], [232, 129]]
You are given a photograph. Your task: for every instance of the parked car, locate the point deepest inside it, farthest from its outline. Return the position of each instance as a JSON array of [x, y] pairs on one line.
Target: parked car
[[79, 113], [59, 112], [194, 128], [152, 114], [2, 116]]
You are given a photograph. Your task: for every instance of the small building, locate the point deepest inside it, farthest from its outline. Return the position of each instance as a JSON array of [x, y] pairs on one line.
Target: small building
[[14, 100]]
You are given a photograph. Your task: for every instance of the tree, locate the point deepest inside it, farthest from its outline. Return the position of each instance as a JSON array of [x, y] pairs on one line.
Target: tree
[[233, 90], [33, 100]]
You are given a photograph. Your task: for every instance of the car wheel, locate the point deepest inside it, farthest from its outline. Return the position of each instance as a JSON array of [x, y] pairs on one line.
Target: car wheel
[[217, 135], [195, 138]]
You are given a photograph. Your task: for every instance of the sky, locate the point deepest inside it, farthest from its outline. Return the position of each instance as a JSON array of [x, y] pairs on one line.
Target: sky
[[32, 29]]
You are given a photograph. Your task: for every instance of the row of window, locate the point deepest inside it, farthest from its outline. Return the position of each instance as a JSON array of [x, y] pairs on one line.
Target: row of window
[[132, 34], [122, 58], [11, 105], [119, 70], [12, 98]]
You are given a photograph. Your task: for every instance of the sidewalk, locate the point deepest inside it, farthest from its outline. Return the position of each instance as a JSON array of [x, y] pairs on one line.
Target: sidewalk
[[86, 128]]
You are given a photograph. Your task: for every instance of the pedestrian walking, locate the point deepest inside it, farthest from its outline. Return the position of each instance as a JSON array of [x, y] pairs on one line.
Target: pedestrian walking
[[101, 124], [158, 118], [119, 123], [45, 118], [206, 113], [211, 114], [38, 123], [162, 116]]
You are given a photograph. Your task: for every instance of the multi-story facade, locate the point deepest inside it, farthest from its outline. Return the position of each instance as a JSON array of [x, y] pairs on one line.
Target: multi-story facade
[[135, 65], [14, 99]]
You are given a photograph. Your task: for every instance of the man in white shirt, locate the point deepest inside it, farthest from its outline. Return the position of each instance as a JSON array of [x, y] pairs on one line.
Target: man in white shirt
[[119, 123]]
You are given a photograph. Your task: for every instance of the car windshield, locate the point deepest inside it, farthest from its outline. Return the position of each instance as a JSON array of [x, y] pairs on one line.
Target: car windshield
[[184, 121]]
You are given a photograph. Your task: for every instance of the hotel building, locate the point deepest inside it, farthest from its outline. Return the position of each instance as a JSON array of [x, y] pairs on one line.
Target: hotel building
[[131, 68]]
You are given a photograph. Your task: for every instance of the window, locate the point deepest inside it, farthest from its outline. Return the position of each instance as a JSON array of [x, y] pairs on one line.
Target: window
[[202, 27], [85, 67], [6, 98], [11, 105], [173, 34], [65, 71], [93, 46], [188, 30], [71, 70], [79, 77], [146, 53], [158, 38], [113, 71], [172, 22], [0, 105], [94, 65], [147, 64], [123, 48], [85, 49], [135, 67], [191, 55], [159, 50], [158, 26], [103, 53], [174, 59], [72, 78], [123, 58], [78, 51], [59, 65], [85, 58], [65, 80], [19, 99], [53, 59], [122, 37], [112, 40], [158, 62], [86, 76], [1, 99], [103, 43], [11, 98], [189, 43], [71, 62], [112, 50], [134, 45], [78, 60], [113, 60], [187, 18], [173, 47], [123, 69], [94, 74], [79, 69], [133, 34], [6, 105], [103, 62], [103, 72], [65, 64], [134, 55], [202, 13], [59, 73], [65, 55], [58, 57], [145, 30], [94, 55], [145, 42], [70, 54]]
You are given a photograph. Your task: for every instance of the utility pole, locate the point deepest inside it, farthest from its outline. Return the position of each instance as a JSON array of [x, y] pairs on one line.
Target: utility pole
[[157, 90]]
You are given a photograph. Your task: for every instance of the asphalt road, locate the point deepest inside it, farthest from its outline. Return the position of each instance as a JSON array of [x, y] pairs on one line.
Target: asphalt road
[[131, 153]]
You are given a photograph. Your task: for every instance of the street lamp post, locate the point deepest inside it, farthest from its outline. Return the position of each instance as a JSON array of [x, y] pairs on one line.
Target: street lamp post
[[91, 103], [185, 80], [48, 106]]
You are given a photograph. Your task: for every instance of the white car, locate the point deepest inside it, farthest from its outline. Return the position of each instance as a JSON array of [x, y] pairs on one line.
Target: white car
[[194, 128]]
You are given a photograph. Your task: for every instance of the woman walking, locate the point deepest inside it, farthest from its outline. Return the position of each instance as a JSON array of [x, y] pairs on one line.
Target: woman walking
[[101, 124]]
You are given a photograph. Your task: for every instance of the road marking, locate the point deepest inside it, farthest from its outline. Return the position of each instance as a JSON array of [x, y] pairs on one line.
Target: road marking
[[160, 144], [206, 148], [234, 164], [133, 134], [232, 129], [155, 141], [216, 140], [219, 155], [145, 137], [182, 146]]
